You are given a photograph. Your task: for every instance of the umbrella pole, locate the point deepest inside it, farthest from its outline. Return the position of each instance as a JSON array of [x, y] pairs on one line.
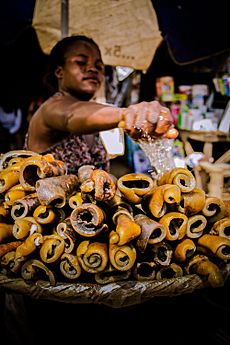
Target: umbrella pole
[[64, 18]]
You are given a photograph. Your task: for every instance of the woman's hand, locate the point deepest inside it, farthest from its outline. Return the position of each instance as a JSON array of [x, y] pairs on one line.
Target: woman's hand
[[148, 120]]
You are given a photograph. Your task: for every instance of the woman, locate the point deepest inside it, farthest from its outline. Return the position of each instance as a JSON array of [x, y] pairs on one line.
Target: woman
[[68, 123]]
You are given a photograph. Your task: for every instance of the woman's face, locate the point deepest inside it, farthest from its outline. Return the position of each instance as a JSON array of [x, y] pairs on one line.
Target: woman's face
[[83, 71]]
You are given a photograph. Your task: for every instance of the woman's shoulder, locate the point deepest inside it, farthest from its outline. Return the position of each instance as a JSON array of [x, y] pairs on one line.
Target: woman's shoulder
[[58, 96], [59, 99]]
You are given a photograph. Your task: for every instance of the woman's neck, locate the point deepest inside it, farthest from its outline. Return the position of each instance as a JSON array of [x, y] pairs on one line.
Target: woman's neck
[[77, 96]]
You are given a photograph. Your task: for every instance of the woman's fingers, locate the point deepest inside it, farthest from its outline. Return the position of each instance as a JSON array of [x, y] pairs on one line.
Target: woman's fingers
[[164, 121], [145, 118], [165, 125], [148, 119], [172, 133]]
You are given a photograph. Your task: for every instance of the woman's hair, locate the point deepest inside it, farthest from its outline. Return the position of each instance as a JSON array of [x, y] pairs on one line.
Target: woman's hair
[[57, 58]]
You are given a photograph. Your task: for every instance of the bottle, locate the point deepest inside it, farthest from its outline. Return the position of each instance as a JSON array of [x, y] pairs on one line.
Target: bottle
[[183, 115]]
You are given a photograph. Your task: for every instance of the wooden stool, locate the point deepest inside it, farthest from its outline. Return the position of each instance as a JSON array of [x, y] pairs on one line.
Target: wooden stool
[[217, 172], [209, 174]]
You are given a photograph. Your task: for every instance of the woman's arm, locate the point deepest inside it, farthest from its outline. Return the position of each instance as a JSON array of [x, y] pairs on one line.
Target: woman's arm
[[68, 115], [65, 114]]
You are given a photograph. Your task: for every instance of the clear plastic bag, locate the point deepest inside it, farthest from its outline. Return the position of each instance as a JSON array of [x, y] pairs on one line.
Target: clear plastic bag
[[160, 153]]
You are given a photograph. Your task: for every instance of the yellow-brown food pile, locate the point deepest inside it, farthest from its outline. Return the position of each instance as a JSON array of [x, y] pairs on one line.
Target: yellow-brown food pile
[[94, 227]]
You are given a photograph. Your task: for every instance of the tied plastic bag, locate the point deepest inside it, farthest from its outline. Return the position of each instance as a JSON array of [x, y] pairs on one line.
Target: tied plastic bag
[[160, 153]]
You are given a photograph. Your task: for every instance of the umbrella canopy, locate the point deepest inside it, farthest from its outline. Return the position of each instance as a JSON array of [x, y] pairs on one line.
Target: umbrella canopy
[[193, 29], [126, 31]]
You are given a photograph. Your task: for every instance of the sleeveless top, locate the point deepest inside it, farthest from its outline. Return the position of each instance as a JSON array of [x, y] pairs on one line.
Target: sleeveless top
[[74, 151]]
